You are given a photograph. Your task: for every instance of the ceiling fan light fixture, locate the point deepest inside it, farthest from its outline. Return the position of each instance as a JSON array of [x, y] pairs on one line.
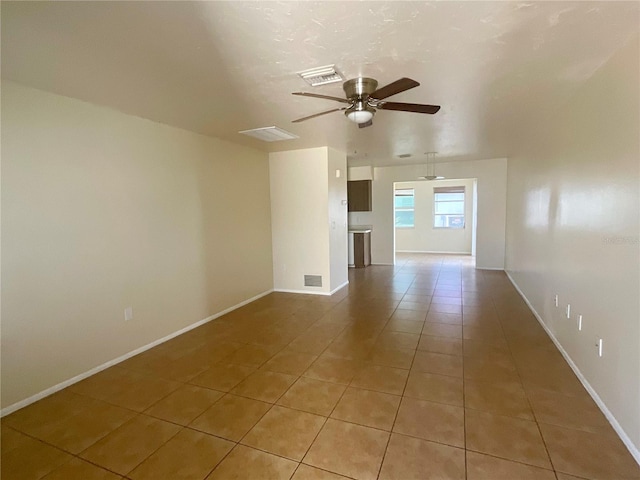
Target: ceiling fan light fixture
[[359, 116], [431, 168], [360, 113]]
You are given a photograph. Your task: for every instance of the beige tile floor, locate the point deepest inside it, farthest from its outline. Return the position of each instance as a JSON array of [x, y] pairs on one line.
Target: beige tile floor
[[427, 370]]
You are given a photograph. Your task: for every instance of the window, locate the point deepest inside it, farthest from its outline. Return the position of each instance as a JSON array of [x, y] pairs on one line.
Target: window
[[449, 207], [404, 204]]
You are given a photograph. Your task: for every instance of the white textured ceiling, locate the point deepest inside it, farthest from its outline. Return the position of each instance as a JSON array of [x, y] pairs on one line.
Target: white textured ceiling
[[220, 67]]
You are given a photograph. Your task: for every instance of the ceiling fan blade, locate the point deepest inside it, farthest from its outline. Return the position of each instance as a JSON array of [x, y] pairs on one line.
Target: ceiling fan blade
[[393, 88], [366, 124], [326, 97], [409, 107], [317, 115]]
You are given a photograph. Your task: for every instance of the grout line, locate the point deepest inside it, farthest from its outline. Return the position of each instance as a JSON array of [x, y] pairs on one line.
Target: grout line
[[395, 418], [464, 403], [519, 462], [525, 392], [323, 425], [372, 284], [223, 458]]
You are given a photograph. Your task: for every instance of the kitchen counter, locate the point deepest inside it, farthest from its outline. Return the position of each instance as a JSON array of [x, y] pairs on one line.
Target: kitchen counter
[[359, 229]]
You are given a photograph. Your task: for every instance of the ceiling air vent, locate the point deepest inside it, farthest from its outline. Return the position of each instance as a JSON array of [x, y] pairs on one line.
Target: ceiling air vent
[[321, 75], [269, 134], [313, 280], [404, 155]]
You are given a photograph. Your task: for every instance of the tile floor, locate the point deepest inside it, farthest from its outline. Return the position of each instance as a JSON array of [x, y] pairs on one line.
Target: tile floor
[[426, 370]]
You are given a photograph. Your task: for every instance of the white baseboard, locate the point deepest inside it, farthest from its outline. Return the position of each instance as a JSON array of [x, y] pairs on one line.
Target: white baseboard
[[433, 251], [633, 449], [383, 264], [307, 292], [303, 292], [491, 268], [56, 388], [339, 288]]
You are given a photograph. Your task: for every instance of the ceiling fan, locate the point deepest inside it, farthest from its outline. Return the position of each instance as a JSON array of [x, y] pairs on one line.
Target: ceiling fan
[[364, 98]]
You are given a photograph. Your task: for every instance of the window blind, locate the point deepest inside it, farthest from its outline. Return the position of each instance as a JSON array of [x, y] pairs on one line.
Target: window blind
[[448, 189]]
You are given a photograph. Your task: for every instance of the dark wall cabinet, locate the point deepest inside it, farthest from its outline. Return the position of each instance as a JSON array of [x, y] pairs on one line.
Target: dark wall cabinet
[[359, 196]]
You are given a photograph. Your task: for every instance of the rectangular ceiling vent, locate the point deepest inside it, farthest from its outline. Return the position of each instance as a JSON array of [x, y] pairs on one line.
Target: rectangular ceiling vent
[[321, 75], [313, 280], [269, 134]]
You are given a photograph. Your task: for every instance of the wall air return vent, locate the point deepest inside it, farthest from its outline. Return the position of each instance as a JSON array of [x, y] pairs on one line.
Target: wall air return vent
[[313, 280], [321, 75], [269, 134]]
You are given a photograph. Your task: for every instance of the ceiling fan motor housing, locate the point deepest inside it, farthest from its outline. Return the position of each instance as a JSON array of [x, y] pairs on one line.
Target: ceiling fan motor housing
[[358, 91], [360, 88]]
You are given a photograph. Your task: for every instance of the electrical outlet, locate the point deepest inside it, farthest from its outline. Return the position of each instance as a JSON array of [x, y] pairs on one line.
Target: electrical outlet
[[568, 310], [579, 323], [555, 301], [128, 314]]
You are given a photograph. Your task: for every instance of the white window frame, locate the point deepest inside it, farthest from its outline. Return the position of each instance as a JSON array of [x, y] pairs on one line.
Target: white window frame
[[453, 189], [404, 209]]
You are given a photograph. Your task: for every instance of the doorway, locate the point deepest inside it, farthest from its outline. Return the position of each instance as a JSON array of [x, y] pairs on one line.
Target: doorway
[[435, 216]]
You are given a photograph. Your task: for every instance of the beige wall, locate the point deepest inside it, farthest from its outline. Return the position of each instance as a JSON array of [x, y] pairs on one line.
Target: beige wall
[[573, 230], [423, 237], [299, 218], [338, 241], [303, 209], [101, 211]]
